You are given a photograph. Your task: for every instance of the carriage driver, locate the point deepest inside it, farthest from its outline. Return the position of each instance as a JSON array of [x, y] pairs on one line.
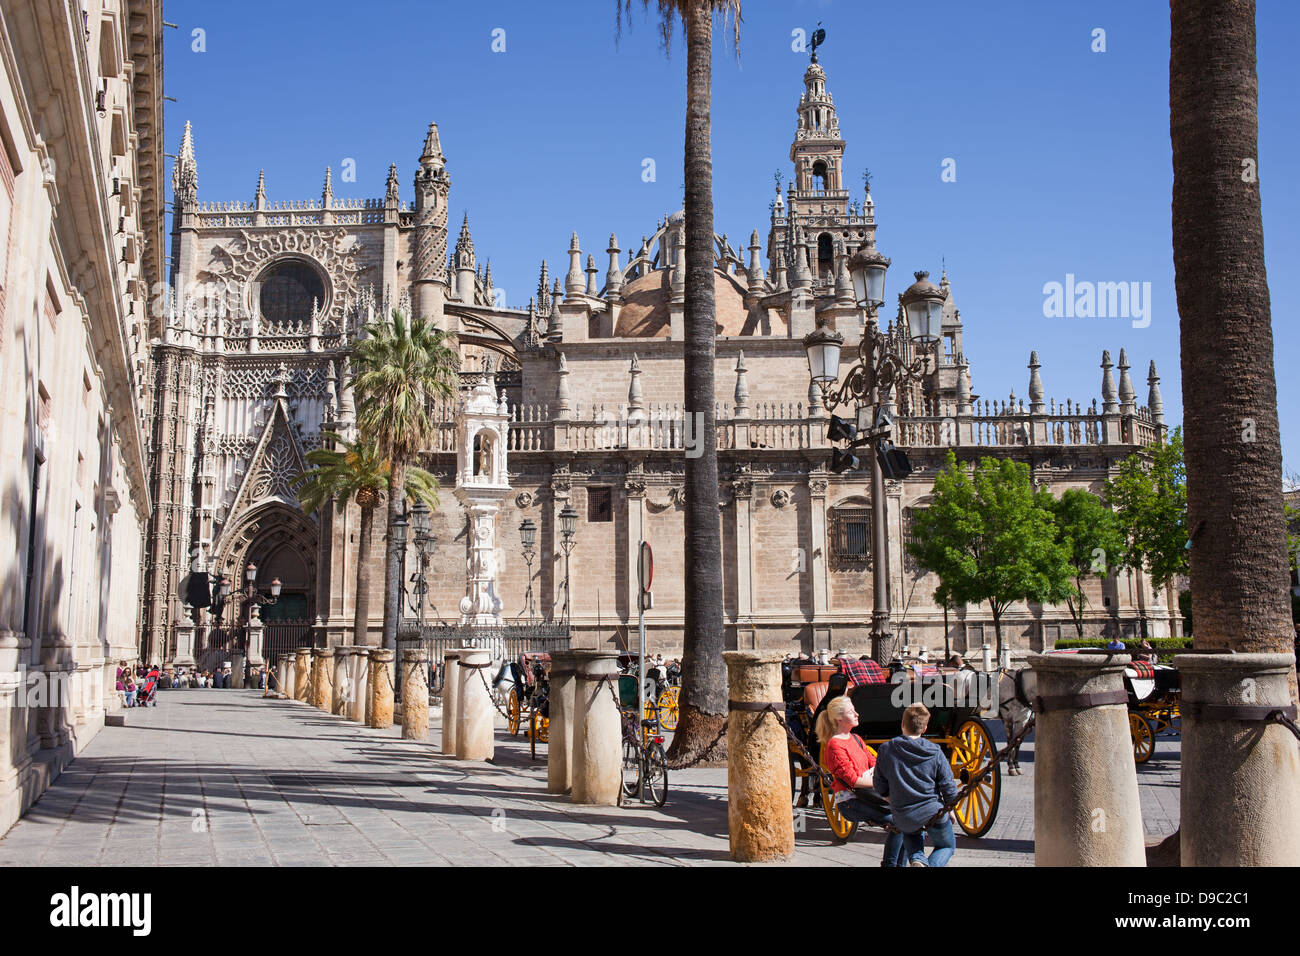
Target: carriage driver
[[852, 765]]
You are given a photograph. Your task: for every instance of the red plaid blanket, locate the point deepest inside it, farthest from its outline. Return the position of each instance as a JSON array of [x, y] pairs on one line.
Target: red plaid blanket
[[1143, 670], [862, 672]]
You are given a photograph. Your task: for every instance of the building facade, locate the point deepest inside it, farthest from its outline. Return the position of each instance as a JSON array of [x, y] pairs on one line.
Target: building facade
[[585, 383], [80, 249]]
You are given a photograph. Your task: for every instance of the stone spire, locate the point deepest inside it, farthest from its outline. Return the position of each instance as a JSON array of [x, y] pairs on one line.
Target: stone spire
[[429, 269], [392, 195], [679, 268], [185, 173], [843, 284], [779, 271], [573, 282], [544, 291], [564, 405], [464, 246], [1127, 394], [259, 197], [614, 277], [1109, 405], [963, 389], [802, 276], [1155, 404], [756, 276], [327, 194], [432, 157], [742, 387], [592, 288], [554, 322], [488, 287], [1035, 382], [635, 409]]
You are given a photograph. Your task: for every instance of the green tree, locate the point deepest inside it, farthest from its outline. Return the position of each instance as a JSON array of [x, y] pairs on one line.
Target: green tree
[[1090, 532], [354, 471], [1149, 496], [989, 537], [399, 370], [704, 678]]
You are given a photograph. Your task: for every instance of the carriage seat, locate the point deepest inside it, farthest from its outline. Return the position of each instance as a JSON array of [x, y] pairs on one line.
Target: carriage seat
[[814, 693]]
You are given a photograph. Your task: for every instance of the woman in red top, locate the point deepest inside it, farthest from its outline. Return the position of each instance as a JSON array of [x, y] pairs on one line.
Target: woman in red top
[[852, 764]]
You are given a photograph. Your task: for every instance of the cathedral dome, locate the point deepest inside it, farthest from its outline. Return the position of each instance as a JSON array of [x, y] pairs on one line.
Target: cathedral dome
[[645, 312]]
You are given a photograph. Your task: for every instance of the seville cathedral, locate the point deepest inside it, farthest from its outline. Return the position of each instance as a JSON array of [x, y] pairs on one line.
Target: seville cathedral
[[153, 419], [576, 399]]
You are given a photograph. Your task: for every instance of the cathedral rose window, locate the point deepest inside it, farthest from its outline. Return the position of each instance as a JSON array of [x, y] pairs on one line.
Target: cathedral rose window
[[290, 288]]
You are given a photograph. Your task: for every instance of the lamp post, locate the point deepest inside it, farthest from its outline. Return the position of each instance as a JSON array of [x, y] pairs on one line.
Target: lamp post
[[869, 383], [528, 538], [253, 598], [425, 542], [568, 531]]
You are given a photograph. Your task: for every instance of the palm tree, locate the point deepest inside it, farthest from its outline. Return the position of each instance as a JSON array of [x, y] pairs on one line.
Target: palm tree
[[356, 472], [704, 680], [1232, 445], [399, 370]]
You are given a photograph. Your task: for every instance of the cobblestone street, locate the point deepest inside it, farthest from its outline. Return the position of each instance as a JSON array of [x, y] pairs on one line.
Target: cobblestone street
[[228, 778]]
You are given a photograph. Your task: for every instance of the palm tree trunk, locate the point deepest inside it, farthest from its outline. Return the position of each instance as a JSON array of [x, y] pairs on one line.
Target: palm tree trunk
[[361, 622], [704, 685], [1232, 445], [393, 558]]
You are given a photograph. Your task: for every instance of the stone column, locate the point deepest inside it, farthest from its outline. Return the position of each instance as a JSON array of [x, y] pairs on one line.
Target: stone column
[[450, 700], [597, 730], [302, 674], [474, 732], [282, 673], [322, 678], [559, 741], [415, 694], [379, 711], [1241, 774], [255, 634], [360, 696], [1086, 809], [342, 682], [759, 821]]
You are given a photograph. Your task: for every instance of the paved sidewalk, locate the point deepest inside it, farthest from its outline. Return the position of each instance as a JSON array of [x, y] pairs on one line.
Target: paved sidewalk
[[229, 778]]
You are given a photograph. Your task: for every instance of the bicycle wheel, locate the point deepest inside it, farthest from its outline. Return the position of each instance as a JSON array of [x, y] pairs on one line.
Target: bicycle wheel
[[656, 774], [630, 783]]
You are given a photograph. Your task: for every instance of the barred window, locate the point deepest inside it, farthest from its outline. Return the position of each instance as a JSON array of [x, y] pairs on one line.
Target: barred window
[[909, 538], [851, 537], [599, 505]]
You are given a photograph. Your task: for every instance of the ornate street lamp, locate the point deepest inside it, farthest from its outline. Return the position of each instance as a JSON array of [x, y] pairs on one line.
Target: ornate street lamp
[[568, 530], [869, 383], [528, 538], [425, 542]]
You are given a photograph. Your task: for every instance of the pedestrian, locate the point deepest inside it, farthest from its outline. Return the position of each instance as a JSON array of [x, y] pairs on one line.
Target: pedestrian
[[130, 691], [914, 775], [852, 768], [1115, 644]]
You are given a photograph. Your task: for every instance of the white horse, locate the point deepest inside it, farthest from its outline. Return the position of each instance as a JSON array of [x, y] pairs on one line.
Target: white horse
[[1016, 689]]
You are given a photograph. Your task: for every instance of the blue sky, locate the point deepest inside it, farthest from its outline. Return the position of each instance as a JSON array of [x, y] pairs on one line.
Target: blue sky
[[1061, 154]]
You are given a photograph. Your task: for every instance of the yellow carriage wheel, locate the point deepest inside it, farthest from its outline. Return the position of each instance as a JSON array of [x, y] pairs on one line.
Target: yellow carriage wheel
[[841, 827], [973, 751], [668, 709], [1144, 741], [512, 712]]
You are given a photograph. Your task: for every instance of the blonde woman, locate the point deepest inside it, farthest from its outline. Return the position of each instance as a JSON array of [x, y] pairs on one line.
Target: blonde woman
[[852, 765]]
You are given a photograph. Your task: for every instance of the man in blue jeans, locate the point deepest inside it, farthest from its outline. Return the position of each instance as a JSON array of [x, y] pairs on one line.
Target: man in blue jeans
[[914, 774]]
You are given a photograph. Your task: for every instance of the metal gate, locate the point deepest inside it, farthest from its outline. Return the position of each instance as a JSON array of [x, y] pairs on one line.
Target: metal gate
[[282, 637]]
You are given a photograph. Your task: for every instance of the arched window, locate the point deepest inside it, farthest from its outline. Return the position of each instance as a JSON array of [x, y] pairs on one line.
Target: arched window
[[819, 175], [289, 290], [825, 256]]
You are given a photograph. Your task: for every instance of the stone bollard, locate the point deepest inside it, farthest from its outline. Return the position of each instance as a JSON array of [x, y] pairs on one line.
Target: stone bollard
[[597, 730], [1086, 809], [302, 674], [450, 700], [415, 694], [322, 678], [379, 712], [759, 821], [474, 736], [559, 735], [282, 673], [360, 671], [342, 682], [1241, 772]]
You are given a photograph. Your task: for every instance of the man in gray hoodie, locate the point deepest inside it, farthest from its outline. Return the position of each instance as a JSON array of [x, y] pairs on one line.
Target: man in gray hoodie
[[914, 774]]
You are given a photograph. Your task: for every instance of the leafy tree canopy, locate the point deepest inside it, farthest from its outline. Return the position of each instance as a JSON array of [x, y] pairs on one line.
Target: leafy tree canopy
[[1149, 496]]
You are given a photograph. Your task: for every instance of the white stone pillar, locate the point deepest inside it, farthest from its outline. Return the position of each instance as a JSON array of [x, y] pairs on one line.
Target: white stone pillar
[[450, 700], [282, 673], [474, 732], [379, 711], [1241, 771], [343, 690], [360, 684], [759, 822], [1086, 808], [597, 731], [561, 704]]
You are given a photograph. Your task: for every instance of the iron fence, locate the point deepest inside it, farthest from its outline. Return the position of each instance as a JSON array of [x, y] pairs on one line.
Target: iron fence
[[506, 642], [283, 637]]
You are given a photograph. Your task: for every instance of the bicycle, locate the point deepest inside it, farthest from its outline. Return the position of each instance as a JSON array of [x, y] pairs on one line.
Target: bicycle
[[644, 757]]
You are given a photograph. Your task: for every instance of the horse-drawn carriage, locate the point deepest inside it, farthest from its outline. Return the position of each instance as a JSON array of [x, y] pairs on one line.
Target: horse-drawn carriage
[[954, 698], [528, 693], [1154, 693]]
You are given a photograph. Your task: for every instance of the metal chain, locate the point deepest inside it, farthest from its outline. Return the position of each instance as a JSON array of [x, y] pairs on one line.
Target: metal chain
[[492, 696], [1279, 717]]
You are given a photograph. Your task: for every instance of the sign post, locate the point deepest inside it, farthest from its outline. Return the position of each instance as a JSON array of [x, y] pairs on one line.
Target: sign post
[[645, 568]]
